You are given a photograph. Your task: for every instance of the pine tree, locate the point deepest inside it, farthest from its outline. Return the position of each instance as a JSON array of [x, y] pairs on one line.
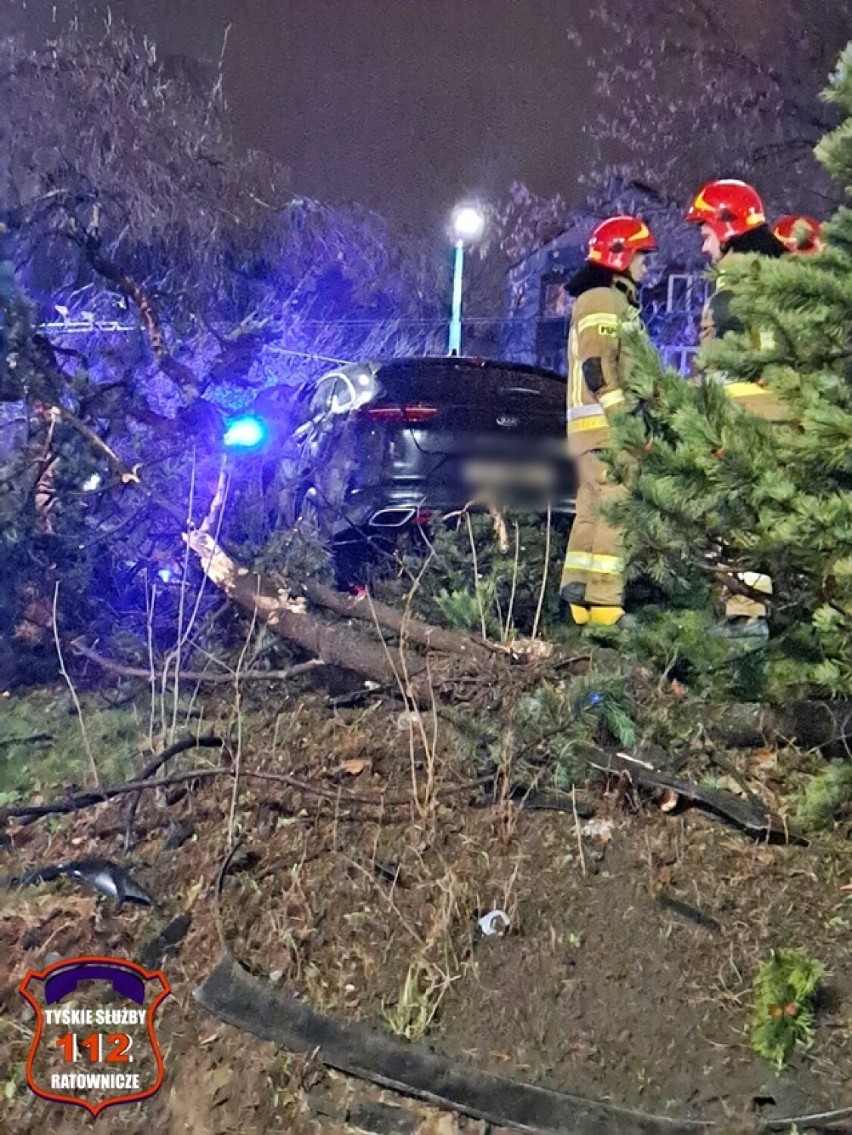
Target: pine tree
[[712, 488]]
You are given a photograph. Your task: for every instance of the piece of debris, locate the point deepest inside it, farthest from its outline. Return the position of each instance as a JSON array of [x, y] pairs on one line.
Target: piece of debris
[[102, 875], [165, 943], [179, 833], [495, 923], [341, 701], [689, 912], [386, 870], [749, 814], [668, 800], [413, 1069]]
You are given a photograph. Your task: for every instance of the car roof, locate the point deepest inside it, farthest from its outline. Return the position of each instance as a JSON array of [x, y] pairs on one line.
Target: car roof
[[410, 362], [469, 360]]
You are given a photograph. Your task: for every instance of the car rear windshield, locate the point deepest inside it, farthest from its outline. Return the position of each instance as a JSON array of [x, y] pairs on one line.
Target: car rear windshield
[[445, 381]]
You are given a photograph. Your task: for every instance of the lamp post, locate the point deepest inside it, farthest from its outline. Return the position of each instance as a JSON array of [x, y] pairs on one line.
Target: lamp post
[[467, 225]]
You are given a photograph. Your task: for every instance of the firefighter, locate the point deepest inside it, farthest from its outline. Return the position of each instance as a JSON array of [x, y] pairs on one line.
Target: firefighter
[[598, 364], [733, 223], [799, 234]]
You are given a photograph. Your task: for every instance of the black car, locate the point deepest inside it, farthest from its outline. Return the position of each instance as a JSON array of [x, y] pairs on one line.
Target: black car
[[383, 445]]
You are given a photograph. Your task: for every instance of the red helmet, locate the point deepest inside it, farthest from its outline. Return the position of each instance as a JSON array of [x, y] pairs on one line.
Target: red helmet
[[799, 233], [615, 242], [728, 207]]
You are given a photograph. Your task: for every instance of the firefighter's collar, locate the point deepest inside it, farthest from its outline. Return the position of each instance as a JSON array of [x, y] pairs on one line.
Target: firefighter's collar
[[627, 287]]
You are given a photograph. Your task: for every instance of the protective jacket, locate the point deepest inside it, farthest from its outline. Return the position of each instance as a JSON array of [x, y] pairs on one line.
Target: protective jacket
[[717, 320], [598, 363]]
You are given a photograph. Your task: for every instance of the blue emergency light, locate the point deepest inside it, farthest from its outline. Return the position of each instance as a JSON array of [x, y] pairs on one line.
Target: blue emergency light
[[247, 432]]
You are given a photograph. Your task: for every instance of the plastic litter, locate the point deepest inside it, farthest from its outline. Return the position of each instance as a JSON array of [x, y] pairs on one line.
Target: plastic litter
[[496, 922]]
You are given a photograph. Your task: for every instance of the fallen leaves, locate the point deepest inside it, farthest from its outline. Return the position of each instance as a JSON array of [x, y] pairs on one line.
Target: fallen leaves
[[599, 829], [355, 766]]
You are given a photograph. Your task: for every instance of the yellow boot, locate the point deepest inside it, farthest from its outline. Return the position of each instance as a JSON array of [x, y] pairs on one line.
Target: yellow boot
[[605, 616]]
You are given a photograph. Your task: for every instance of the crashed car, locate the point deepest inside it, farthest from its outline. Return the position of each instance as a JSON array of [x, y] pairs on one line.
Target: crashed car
[[378, 446]]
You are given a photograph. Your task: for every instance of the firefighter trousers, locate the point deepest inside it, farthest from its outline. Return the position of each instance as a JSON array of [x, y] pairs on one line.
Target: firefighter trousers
[[593, 573]]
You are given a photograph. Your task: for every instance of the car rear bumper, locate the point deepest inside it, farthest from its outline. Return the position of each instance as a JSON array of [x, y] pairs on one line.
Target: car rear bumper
[[397, 506]]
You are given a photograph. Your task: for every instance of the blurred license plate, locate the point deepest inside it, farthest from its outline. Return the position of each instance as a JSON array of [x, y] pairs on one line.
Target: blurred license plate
[[508, 475]]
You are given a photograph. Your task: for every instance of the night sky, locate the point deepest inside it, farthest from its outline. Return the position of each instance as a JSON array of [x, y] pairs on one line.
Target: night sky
[[404, 105]]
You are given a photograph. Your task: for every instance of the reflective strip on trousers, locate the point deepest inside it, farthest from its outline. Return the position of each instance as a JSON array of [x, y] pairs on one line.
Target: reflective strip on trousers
[[577, 561], [597, 564], [606, 565]]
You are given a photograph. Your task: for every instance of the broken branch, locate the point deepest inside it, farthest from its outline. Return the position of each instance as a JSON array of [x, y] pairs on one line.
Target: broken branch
[[194, 675], [287, 616]]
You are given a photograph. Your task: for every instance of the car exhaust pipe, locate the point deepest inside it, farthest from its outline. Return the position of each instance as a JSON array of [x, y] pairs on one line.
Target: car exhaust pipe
[[392, 517]]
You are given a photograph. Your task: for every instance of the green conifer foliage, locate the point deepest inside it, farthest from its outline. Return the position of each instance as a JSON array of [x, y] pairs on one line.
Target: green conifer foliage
[[712, 487]]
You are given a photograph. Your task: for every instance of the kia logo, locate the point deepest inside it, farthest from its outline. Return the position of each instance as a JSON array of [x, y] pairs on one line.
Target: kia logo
[[507, 422]]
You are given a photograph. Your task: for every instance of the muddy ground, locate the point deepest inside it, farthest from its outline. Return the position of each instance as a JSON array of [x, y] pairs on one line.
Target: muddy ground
[[369, 911]]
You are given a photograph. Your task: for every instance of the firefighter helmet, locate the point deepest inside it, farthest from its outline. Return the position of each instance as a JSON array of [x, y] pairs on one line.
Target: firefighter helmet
[[728, 207], [799, 233], [615, 241]]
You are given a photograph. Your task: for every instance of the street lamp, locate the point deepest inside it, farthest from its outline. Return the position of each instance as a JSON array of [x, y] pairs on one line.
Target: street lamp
[[467, 225]]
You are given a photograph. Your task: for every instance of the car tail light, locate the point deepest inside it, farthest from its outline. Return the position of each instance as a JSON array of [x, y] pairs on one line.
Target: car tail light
[[410, 413]]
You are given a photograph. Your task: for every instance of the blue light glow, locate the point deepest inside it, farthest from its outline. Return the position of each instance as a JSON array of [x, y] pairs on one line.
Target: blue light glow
[[247, 432]]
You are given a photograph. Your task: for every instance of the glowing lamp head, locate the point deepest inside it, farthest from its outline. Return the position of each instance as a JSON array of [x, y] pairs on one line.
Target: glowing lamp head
[[246, 432], [468, 223]]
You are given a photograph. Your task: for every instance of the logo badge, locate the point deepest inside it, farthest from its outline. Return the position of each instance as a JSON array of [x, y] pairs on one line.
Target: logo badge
[[508, 422], [94, 1043]]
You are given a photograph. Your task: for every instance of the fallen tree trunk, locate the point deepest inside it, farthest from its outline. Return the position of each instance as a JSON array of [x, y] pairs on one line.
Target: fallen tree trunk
[[419, 678], [412, 630], [811, 724]]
